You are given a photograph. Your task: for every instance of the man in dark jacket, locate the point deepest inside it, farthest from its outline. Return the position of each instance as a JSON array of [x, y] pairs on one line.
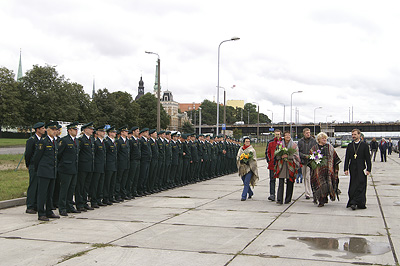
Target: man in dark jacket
[[31, 143], [68, 152], [161, 160], [145, 160], [153, 170], [97, 185], [123, 165], [382, 148], [374, 147], [85, 167], [134, 168], [45, 160], [111, 167], [305, 145]]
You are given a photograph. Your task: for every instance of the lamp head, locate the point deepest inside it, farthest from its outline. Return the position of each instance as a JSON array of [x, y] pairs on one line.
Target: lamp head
[[235, 38]]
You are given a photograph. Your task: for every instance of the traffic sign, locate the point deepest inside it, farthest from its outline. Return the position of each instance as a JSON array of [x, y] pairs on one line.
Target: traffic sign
[[223, 126], [271, 129]]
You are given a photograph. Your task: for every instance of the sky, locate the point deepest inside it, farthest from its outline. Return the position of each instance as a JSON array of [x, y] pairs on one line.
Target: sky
[[342, 55]]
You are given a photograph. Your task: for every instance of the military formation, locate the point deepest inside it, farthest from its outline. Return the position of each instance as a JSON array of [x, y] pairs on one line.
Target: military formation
[[103, 166]]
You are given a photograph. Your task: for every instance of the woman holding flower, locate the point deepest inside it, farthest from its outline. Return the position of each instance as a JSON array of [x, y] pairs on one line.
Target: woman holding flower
[[287, 163], [247, 166], [324, 163]]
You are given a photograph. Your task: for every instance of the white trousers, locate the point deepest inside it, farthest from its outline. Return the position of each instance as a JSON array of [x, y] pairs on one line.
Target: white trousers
[[306, 178]]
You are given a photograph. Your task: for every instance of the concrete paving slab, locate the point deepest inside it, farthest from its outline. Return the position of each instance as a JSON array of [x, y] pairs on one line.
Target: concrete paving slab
[[191, 238], [324, 223], [194, 193], [165, 202], [128, 213], [233, 219], [13, 219], [78, 230], [322, 247], [141, 256], [241, 260], [30, 252], [251, 205]]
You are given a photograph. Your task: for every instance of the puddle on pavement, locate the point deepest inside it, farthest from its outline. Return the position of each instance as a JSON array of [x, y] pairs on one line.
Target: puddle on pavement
[[394, 184], [353, 246]]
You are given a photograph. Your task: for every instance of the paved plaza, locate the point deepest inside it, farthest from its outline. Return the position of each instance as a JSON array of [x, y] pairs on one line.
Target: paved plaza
[[207, 224]]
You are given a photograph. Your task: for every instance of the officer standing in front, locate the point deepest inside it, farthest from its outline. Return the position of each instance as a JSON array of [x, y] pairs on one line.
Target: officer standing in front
[[31, 144], [45, 159], [96, 187], [111, 167], [123, 165], [134, 168], [85, 167], [145, 159], [68, 169]]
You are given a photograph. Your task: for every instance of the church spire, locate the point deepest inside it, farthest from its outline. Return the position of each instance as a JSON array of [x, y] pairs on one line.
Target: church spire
[[94, 89], [19, 76]]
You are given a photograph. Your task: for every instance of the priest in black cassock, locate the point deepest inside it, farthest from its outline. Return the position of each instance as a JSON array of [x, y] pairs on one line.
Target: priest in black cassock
[[357, 159]]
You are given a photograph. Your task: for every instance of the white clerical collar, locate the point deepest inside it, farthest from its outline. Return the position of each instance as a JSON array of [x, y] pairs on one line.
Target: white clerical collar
[[356, 142]]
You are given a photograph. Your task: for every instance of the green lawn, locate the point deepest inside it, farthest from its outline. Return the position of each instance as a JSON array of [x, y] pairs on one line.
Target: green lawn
[[12, 142], [10, 161], [13, 184]]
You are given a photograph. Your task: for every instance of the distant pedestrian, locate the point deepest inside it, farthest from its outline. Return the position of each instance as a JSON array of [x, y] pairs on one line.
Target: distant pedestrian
[[305, 145], [382, 149], [324, 177], [299, 178], [374, 147], [287, 163], [246, 161], [269, 155], [357, 157], [390, 146]]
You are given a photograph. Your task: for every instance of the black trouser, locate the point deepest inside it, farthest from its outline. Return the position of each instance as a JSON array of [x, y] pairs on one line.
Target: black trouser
[[167, 175], [174, 174], [194, 171], [100, 188], [31, 195], [180, 171], [161, 174], [144, 175], [134, 173], [67, 188], [383, 156], [289, 190], [153, 175], [80, 190], [120, 185], [56, 193], [186, 171], [45, 196], [94, 187], [109, 185]]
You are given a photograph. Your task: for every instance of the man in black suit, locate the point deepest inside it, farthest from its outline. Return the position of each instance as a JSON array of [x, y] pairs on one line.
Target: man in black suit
[[45, 160], [168, 161], [174, 159], [111, 167], [123, 165], [57, 182], [187, 159], [68, 152], [31, 143], [145, 160], [153, 171], [85, 167], [134, 168], [161, 160], [96, 187]]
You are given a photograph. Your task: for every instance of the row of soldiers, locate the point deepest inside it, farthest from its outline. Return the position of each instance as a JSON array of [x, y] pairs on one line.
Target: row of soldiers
[[126, 163]]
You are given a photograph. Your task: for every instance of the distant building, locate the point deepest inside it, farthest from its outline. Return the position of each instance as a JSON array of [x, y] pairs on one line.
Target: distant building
[[186, 107], [235, 103], [171, 107], [140, 89]]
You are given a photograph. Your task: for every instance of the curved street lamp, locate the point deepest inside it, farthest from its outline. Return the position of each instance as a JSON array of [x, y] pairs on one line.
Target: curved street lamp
[[219, 48], [320, 107]]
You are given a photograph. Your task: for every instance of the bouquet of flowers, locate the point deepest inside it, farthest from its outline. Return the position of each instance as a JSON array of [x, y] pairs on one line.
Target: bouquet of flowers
[[245, 158], [283, 150], [317, 159]]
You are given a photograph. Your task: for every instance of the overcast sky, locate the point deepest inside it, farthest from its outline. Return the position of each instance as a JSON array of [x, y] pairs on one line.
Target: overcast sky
[[339, 53]]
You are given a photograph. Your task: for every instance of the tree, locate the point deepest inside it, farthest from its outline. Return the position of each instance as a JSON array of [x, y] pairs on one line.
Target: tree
[[237, 133], [11, 110], [148, 112], [187, 127]]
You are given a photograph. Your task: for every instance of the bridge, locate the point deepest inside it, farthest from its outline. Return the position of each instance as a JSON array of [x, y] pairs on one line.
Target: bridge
[[265, 128]]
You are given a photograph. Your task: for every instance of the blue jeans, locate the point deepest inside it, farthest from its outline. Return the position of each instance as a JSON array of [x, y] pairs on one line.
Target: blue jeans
[[246, 181], [272, 182]]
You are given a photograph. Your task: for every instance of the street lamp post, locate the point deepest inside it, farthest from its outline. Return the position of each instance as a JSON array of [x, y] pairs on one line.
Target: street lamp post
[[219, 48], [320, 107], [284, 116], [272, 121], [158, 91], [199, 120], [327, 127], [291, 111], [258, 121]]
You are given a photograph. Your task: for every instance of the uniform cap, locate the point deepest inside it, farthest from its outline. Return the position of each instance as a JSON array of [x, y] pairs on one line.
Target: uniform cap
[[151, 131], [134, 128], [102, 128], [111, 129], [174, 134], [144, 129], [38, 125], [167, 132], [73, 125], [161, 132], [53, 124], [88, 125], [124, 128]]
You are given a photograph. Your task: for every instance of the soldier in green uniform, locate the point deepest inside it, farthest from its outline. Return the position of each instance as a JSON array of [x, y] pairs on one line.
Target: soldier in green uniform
[[174, 159], [145, 160], [161, 160], [168, 161], [187, 159], [208, 157], [195, 158], [122, 165], [214, 157], [31, 144], [68, 152], [180, 160], [154, 162], [45, 160], [56, 193], [85, 167], [200, 152], [97, 185], [134, 168], [111, 167]]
